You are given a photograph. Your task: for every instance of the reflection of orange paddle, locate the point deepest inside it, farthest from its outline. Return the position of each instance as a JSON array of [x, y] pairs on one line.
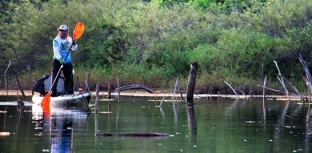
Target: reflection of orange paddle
[[45, 103]]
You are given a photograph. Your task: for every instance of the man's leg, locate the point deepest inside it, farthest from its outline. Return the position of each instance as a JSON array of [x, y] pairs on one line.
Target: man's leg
[[68, 75], [55, 68]]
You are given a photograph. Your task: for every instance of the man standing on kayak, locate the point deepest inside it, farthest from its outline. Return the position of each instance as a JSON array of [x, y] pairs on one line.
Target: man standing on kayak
[[61, 48]]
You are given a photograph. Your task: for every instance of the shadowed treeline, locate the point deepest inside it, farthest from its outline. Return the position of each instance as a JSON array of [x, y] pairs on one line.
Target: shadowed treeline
[[150, 43]]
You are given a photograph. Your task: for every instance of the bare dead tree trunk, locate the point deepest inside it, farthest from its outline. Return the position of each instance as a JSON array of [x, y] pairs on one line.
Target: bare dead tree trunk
[[5, 77], [263, 101], [175, 87], [78, 82], [307, 72], [30, 78], [19, 86], [96, 98], [308, 75], [179, 87], [263, 90], [118, 87], [292, 86], [281, 80], [191, 81], [87, 81]]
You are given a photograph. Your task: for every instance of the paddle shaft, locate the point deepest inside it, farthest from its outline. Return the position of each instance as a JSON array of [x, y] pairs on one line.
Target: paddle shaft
[[57, 75], [69, 50]]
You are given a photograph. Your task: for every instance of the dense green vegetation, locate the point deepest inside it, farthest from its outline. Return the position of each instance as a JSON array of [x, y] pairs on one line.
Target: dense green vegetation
[[152, 42]]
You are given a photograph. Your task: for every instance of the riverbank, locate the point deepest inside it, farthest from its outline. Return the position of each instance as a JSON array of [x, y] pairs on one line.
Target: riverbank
[[134, 93]]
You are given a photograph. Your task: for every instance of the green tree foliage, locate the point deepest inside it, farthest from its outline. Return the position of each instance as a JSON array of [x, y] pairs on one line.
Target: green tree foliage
[[142, 41]]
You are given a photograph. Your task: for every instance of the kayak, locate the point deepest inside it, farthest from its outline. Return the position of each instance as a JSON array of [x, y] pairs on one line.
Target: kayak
[[78, 99]]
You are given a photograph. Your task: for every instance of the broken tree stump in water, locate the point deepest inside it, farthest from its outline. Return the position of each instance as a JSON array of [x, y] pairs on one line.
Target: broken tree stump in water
[[191, 81], [109, 90]]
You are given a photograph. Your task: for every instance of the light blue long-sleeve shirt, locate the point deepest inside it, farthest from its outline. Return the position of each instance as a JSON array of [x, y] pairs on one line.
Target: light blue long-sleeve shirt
[[61, 48]]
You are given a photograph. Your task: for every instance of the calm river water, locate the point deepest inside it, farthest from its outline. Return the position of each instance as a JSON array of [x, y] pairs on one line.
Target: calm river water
[[210, 126]]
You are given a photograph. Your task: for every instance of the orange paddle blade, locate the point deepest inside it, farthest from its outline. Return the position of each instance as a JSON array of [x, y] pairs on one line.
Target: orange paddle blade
[[46, 100], [78, 31]]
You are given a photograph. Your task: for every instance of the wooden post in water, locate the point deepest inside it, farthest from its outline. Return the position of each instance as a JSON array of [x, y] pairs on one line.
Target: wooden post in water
[[78, 82], [87, 81], [263, 102], [191, 82], [96, 98], [30, 80], [118, 88], [175, 87], [109, 90], [5, 77]]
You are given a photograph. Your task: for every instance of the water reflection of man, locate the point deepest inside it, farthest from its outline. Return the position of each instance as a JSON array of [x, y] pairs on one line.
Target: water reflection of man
[[61, 132]]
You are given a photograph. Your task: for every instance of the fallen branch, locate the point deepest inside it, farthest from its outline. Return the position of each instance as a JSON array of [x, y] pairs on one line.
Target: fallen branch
[[292, 86], [241, 91], [134, 86], [275, 90], [280, 79], [232, 89], [307, 72]]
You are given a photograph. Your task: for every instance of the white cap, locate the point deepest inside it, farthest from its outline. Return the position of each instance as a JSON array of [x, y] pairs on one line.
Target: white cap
[[63, 27]]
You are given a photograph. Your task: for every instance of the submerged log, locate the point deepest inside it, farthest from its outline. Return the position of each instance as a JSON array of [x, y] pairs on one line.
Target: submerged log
[[137, 134], [134, 86]]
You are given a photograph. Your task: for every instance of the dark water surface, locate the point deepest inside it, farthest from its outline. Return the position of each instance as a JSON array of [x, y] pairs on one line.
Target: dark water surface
[[210, 126]]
